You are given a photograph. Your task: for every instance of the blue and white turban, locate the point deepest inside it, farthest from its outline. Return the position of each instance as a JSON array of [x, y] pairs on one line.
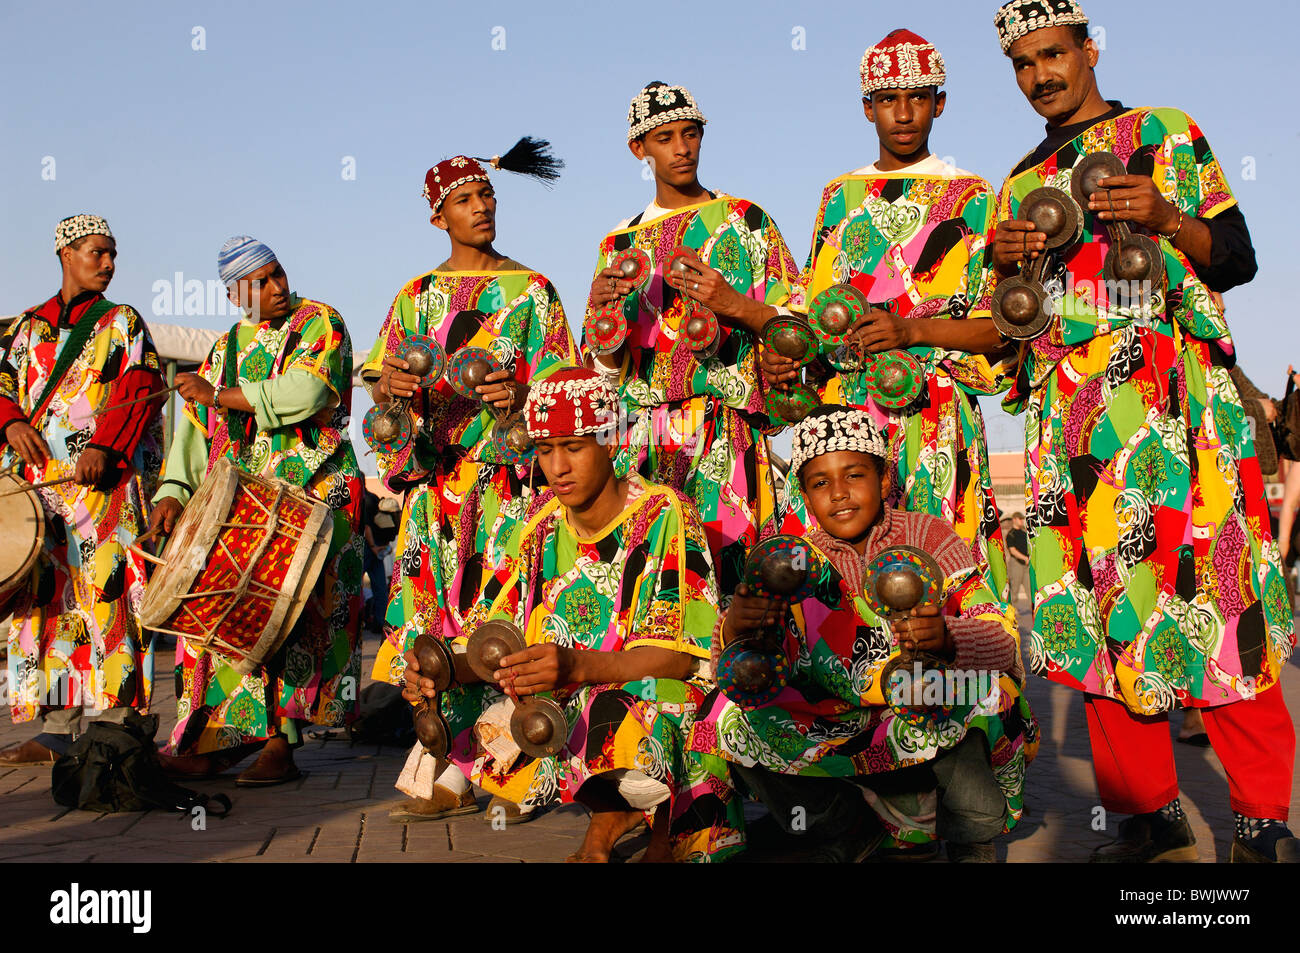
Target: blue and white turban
[[240, 256]]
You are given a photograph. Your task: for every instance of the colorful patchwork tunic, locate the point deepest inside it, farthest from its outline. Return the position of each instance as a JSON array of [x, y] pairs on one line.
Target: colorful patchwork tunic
[[1156, 579], [644, 580], [298, 378], [699, 426], [832, 719], [76, 638], [463, 496], [914, 244]]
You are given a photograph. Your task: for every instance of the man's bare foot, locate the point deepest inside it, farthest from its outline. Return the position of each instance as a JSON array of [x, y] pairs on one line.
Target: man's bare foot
[[660, 849], [603, 833], [194, 767]]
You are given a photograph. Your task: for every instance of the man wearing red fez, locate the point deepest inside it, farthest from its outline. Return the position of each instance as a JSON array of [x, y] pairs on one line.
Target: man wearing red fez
[[901, 242], [681, 293], [610, 586], [1156, 581], [479, 312]]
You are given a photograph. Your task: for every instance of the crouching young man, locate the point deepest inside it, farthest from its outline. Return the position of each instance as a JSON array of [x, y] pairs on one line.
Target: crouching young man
[[837, 755], [611, 584]]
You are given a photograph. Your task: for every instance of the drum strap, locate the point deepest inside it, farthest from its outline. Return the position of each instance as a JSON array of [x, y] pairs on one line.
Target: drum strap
[[72, 348]]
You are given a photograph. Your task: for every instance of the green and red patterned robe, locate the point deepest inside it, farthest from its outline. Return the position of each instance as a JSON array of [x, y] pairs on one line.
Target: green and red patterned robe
[[462, 497], [298, 377], [832, 719], [76, 639], [700, 426], [646, 579], [915, 243], [1156, 579]]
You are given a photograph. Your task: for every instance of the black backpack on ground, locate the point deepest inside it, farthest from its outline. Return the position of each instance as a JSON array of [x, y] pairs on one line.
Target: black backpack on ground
[[115, 767]]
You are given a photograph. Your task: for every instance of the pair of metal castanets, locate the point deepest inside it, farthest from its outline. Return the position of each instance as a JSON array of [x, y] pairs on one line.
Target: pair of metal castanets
[[537, 726], [1020, 303], [387, 426], [753, 670], [894, 378], [606, 329]]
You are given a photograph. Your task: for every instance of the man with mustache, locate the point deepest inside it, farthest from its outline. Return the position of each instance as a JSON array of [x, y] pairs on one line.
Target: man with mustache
[[463, 490], [71, 371], [697, 410], [273, 396], [1156, 583]]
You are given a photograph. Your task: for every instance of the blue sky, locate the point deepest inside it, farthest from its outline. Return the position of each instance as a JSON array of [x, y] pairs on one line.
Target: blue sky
[[181, 147]]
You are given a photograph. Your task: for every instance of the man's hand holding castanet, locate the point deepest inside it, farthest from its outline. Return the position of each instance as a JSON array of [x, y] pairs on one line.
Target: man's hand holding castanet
[[750, 613], [395, 380], [415, 688], [1016, 241], [924, 630], [880, 330], [779, 371], [608, 285], [1134, 198], [194, 388], [538, 668], [500, 390]]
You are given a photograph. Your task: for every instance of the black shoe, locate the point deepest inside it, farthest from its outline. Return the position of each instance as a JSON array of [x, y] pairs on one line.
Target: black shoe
[[981, 853], [1149, 839], [1286, 850]]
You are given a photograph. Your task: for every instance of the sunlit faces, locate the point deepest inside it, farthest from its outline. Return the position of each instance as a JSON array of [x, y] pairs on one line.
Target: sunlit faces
[[1053, 68], [904, 117], [469, 215], [844, 489], [264, 293], [673, 150], [578, 469], [89, 262]]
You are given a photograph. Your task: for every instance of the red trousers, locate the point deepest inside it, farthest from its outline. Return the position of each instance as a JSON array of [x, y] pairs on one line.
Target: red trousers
[[1133, 755]]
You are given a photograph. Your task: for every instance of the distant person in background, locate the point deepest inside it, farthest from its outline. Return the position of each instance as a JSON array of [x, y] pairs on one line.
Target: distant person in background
[[1017, 557], [379, 525]]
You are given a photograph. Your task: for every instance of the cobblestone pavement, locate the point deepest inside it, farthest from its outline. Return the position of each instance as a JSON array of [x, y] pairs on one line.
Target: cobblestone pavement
[[339, 811]]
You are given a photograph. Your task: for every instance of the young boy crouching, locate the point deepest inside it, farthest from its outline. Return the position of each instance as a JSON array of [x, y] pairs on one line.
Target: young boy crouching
[[828, 754]]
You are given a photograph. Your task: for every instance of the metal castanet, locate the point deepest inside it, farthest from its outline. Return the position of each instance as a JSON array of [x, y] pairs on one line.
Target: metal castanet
[[434, 660], [836, 311], [1132, 258], [633, 265], [791, 337], [1020, 303], [469, 368], [702, 331], [386, 426], [511, 440], [538, 726], [489, 644], [753, 670], [424, 357], [431, 728], [898, 581], [793, 405], [896, 379], [606, 328]]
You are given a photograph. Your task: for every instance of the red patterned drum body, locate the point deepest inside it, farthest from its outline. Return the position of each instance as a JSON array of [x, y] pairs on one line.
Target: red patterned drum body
[[239, 566]]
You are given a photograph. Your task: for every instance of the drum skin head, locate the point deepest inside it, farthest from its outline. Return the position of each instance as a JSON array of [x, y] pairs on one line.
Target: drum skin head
[[191, 544], [22, 534]]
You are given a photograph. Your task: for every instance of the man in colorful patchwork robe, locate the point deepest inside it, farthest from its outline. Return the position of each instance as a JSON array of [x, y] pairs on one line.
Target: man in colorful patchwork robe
[[1156, 582], [71, 372], [274, 397], [610, 581], [698, 422], [909, 232], [836, 731], [464, 490]]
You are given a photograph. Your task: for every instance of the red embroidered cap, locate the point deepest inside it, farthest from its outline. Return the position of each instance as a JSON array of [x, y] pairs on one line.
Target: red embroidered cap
[[902, 60]]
